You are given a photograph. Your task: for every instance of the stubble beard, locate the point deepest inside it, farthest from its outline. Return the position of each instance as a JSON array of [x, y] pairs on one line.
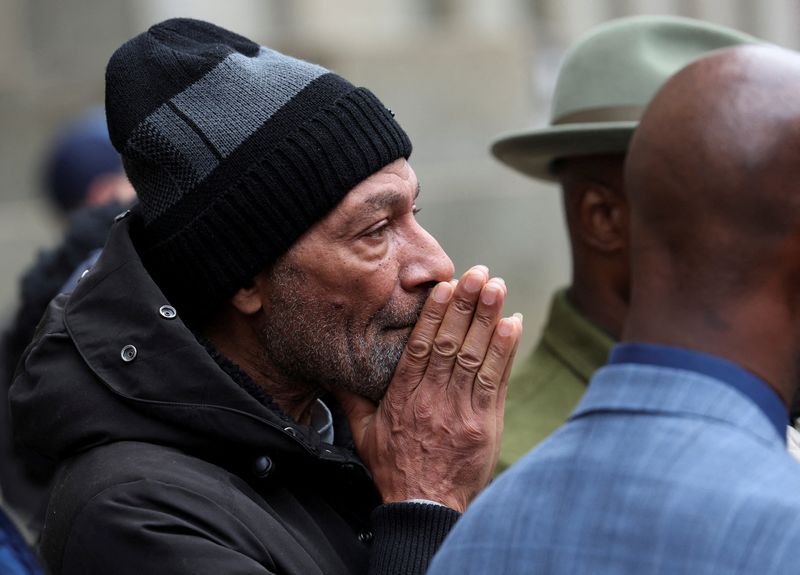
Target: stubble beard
[[314, 344]]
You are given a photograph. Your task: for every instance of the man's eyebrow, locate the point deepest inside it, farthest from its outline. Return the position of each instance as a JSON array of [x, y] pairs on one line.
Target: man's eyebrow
[[387, 199]]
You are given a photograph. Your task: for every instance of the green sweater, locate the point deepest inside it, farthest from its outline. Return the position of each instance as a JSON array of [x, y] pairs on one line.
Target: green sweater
[[547, 386]]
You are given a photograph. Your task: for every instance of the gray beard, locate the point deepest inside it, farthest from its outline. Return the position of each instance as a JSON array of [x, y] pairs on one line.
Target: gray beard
[[310, 342]]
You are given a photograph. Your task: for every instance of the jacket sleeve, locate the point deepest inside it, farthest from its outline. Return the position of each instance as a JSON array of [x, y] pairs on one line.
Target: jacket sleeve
[[406, 535], [153, 527]]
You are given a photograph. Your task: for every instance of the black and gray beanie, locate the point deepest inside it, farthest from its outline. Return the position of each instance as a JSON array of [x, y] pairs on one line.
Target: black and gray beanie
[[234, 150]]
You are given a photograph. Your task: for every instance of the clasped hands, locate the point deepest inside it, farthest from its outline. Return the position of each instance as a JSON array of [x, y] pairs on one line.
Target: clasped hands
[[436, 433]]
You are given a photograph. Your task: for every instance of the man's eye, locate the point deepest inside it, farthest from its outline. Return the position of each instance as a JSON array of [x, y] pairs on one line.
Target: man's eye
[[415, 210], [378, 230]]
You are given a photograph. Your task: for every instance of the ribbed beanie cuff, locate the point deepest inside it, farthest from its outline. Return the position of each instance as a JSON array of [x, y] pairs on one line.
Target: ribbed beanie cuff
[[235, 150]]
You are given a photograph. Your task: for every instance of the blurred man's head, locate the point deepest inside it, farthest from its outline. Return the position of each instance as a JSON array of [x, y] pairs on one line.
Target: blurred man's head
[[82, 168], [277, 203], [606, 80]]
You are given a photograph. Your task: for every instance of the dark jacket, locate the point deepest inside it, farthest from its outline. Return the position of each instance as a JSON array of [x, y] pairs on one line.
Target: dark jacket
[[174, 463]]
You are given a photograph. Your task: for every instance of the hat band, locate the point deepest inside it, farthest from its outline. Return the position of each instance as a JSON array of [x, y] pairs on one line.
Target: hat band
[[596, 115]]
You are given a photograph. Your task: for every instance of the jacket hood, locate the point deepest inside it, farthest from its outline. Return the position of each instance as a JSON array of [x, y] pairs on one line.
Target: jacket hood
[[110, 363]]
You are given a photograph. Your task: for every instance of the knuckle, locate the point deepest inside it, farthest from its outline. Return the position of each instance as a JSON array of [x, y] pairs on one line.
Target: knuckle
[[487, 380], [422, 410], [497, 350], [407, 372], [389, 413], [418, 348], [463, 306], [431, 315], [486, 383], [484, 391], [445, 346], [474, 432], [484, 321], [468, 360]]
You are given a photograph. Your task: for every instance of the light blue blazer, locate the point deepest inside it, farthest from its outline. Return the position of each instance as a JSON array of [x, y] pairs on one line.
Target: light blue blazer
[[659, 470]]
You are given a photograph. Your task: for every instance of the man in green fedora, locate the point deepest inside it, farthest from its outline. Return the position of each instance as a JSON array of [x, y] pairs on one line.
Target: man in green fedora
[[604, 84]]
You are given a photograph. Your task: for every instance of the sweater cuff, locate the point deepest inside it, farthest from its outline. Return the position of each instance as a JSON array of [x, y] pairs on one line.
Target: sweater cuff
[[407, 535]]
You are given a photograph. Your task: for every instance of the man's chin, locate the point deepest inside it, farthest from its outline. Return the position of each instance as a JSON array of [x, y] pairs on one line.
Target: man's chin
[[384, 365], [373, 374], [374, 393]]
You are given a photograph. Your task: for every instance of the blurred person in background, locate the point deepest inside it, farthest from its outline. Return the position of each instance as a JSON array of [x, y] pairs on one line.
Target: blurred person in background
[[269, 369], [82, 168], [606, 80], [86, 184]]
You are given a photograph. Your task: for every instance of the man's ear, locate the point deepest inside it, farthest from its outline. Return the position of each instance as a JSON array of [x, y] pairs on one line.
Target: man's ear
[[249, 299], [603, 218]]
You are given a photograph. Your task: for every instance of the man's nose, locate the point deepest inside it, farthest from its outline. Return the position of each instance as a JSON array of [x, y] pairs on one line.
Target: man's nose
[[426, 262]]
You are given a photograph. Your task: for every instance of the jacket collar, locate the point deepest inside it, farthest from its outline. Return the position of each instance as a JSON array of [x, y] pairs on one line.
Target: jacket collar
[[578, 342], [736, 377], [641, 389]]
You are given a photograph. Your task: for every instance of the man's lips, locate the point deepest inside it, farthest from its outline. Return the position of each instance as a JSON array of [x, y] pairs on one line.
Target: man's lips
[[405, 327]]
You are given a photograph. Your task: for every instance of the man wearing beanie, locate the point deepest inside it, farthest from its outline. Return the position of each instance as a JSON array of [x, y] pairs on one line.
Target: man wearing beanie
[[235, 386]]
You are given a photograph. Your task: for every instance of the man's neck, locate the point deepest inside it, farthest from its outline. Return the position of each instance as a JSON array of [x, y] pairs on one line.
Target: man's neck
[[603, 307], [295, 399], [755, 334]]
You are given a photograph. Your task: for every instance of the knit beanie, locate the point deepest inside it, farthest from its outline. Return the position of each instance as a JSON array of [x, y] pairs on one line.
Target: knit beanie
[[235, 150]]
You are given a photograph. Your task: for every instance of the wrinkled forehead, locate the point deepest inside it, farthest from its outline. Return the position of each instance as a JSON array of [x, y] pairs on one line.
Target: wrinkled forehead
[[394, 184]]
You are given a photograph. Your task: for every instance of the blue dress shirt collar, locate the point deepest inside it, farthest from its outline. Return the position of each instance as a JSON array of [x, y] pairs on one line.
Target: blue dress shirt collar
[[751, 386]]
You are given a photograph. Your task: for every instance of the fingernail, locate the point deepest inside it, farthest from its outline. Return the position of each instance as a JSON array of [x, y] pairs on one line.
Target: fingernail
[[504, 328], [518, 316], [482, 268], [473, 282], [501, 282], [489, 294], [441, 293]]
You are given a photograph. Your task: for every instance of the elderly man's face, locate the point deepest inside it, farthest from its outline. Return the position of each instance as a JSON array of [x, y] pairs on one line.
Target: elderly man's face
[[340, 305]]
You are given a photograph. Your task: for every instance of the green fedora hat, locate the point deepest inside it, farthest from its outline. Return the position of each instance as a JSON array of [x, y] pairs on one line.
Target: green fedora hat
[[604, 84]]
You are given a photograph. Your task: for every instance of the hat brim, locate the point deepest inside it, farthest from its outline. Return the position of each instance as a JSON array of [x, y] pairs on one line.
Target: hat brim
[[532, 152]]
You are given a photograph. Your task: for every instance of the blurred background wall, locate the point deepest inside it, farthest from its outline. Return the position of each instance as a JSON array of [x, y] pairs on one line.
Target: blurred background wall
[[455, 72]]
